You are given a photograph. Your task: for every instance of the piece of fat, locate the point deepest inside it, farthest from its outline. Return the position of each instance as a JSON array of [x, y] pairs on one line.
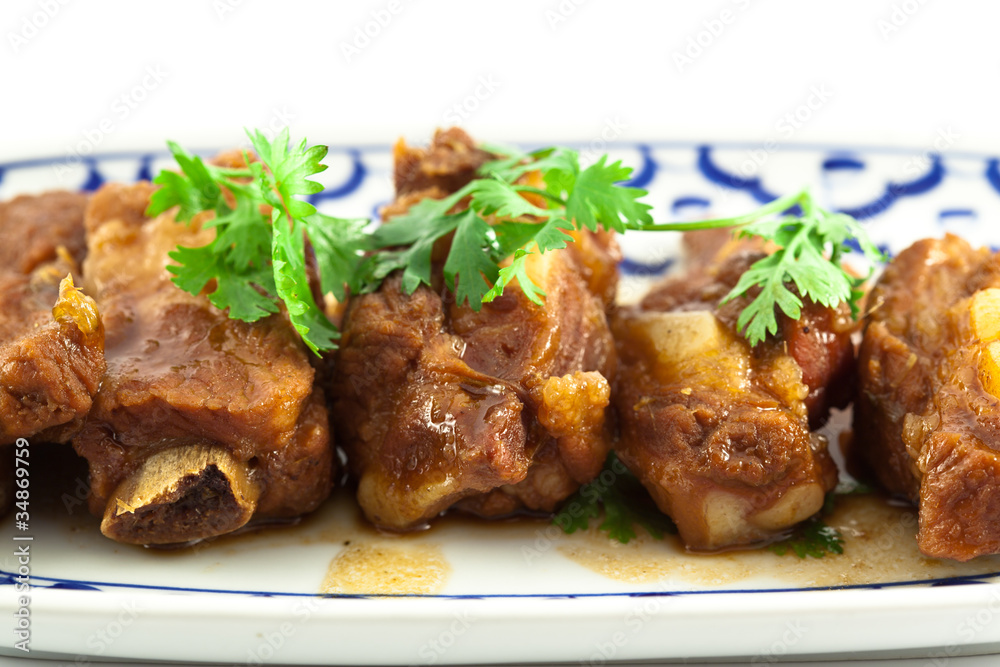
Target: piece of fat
[[680, 335], [984, 311], [984, 316]]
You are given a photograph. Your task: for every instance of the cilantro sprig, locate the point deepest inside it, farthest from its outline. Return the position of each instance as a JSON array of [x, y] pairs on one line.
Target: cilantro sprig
[[258, 258], [813, 538], [618, 496], [507, 219], [809, 256]]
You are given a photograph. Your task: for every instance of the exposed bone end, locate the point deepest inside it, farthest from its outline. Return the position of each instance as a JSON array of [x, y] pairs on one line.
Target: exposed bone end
[[731, 520], [388, 508], [794, 506], [182, 494]]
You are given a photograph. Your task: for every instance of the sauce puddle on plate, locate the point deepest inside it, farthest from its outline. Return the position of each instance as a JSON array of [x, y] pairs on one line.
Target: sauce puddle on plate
[[879, 547], [381, 568]]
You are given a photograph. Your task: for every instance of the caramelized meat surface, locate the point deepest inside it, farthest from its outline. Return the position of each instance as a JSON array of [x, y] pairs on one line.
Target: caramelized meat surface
[[34, 227], [719, 433], [202, 421], [927, 417], [51, 339], [491, 411]]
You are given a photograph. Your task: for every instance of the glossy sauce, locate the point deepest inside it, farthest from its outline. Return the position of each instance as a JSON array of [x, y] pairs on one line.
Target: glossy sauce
[[879, 547]]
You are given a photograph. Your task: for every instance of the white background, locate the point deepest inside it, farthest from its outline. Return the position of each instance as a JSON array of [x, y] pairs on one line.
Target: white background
[[96, 76], [891, 71]]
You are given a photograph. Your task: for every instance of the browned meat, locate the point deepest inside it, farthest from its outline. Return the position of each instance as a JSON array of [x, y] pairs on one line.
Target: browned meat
[[447, 164], [719, 433], [34, 227], [202, 421], [51, 340], [491, 412], [927, 417]]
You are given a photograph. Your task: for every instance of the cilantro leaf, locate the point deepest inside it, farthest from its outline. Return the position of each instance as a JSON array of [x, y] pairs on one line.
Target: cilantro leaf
[[287, 173], [243, 291], [470, 274], [194, 191], [516, 269], [596, 199], [243, 234], [556, 164], [518, 238], [497, 197], [339, 244], [813, 538], [292, 285], [420, 227], [485, 257], [621, 498], [810, 247]]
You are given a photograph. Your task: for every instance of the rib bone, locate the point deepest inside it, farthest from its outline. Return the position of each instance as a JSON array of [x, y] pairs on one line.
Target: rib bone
[[185, 493]]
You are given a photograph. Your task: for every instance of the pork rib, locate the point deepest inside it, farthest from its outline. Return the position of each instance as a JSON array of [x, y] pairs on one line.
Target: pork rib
[[719, 433], [493, 411], [202, 421], [927, 418]]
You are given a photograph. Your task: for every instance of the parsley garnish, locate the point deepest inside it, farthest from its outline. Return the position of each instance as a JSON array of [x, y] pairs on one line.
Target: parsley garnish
[[528, 220], [811, 538], [258, 256], [522, 204], [809, 256], [814, 537], [618, 496]]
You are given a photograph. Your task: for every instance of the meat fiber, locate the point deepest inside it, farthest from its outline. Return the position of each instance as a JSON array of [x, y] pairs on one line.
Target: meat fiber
[[51, 338]]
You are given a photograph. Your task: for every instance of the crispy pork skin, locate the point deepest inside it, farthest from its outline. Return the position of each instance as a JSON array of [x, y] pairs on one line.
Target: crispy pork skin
[[202, 421], [927, 417], [493, 411], [51, 338], [719, 433]]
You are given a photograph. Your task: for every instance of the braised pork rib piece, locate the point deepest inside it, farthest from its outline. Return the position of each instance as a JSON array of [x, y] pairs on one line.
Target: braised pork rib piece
[[717, 432], [927, 417], [51, 338], [202, 422], [492, 411]]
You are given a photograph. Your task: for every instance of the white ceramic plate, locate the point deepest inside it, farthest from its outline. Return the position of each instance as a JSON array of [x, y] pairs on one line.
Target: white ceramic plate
[[331, 590]]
